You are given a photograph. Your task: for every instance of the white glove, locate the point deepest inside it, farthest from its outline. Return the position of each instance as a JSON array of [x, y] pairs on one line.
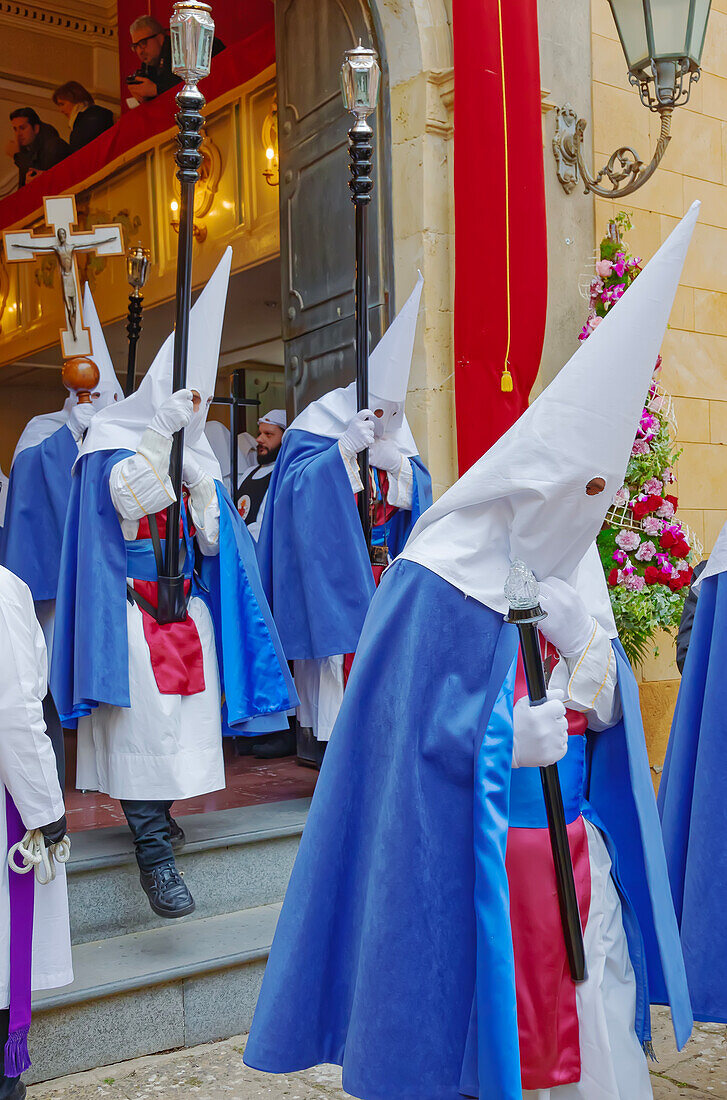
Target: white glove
[[540, 734], [192, 472], [79, 419], [568, 625], [385, 455], [359, 434], [174, 414]]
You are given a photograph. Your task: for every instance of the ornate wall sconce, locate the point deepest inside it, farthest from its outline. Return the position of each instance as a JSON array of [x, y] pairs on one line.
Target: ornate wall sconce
[[662, 41], [271, 172]]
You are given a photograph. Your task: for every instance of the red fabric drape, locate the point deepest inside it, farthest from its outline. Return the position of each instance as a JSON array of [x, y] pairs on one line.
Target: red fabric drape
[[232, 67], [498, 186]]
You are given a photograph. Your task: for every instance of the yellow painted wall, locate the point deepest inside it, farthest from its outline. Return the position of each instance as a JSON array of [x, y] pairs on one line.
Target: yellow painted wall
[[695, 348]]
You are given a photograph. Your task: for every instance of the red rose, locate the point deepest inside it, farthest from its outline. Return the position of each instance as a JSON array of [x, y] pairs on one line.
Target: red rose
[[664, 577], [673, 501], [688, 574], [668, 539], [613, 578], [676, 582], [681, 550], [651, 574]]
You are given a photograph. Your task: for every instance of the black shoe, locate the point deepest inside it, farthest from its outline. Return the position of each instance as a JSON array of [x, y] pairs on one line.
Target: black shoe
[[177, 839], [12, 1088], [245, 746], [167, 892], [275, 745]]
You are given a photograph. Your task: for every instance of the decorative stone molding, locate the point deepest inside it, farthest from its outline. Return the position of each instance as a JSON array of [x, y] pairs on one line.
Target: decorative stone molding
[[38, 17], [441, 122]]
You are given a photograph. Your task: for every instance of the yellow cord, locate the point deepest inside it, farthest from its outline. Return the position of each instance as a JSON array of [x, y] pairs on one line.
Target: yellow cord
[[506, 383]]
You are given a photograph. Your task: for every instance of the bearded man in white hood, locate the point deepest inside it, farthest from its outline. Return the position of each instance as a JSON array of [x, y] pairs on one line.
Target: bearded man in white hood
[[147, 695], [421, 933]]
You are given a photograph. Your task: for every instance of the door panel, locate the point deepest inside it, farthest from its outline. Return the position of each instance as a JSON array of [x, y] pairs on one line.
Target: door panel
[[316, 212]]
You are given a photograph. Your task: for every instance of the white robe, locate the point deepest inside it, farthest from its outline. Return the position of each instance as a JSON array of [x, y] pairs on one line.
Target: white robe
[[613, 1065], [319, 682], [28, 772], [163, 747]]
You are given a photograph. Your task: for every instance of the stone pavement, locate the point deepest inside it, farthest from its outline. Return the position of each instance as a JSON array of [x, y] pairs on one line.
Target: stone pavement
[[216, 1072]]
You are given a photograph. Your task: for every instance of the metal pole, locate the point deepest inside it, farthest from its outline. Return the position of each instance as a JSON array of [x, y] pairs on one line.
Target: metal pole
[[189, 160], [526, 618], [133, 328], [360, 145]]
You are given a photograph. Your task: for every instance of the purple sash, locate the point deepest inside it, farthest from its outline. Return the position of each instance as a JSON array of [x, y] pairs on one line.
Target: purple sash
[[22, 895]]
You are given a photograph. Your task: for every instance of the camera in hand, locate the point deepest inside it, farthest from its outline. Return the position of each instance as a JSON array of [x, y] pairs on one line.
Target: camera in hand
[[142, 73]]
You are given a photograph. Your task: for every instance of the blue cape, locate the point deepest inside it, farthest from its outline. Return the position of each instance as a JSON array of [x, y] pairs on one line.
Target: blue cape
[[35, 513], [692, 799], [393, 953], [313, 560], [90, 650]]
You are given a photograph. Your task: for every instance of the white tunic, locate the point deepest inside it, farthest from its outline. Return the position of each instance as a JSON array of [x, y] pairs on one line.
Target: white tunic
[[28, 772], [613, 1065], [163, 747]]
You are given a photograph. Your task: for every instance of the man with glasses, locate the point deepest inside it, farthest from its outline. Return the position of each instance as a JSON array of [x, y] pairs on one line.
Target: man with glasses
[[152, 46]]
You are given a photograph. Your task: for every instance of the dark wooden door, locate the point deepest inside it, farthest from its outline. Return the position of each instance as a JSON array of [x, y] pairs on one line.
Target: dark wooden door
[[316, 213]]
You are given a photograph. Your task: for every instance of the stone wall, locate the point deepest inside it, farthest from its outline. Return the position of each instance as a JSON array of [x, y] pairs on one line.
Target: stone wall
[[695, 348]]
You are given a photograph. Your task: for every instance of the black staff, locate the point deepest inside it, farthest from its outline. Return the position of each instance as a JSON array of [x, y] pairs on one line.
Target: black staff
[[137, 269], [360, 77], [522, 594], [192, 33]]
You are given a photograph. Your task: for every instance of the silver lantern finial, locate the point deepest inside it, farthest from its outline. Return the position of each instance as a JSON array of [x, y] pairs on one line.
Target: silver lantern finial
[[138, 260], [192, 32], [522, 590], [360, 79]]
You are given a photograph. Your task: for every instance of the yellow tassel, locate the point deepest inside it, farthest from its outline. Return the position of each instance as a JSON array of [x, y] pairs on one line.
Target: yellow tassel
[[506, 381]]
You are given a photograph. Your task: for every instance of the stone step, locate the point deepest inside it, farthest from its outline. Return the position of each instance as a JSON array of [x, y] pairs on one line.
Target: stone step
[[233, 859], [188, 982]]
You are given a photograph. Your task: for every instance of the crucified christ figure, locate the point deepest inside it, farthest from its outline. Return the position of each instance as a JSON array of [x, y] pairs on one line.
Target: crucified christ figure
[[64, 251]]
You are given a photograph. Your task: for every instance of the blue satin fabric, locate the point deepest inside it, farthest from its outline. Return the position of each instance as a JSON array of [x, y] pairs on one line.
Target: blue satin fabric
[[313, 560], [692, 801], [35, 512], [527, 804], [90, 653], [141, 563]]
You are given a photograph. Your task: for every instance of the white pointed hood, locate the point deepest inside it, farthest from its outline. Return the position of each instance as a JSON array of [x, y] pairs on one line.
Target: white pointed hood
[[389, 366], [43, 426], [123, 425], [526, 497]]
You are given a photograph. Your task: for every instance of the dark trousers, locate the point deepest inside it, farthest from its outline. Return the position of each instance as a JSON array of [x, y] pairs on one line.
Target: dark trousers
[[54, 731], [149, 824]]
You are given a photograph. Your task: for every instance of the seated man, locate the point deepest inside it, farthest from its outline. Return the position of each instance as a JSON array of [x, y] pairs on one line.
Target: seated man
[[36, 146], [147, 694], [420, 937], [313, 558]]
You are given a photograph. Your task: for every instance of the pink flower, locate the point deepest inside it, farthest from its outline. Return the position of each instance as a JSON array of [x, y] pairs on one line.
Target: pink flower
[[668, 476], [628, 540], [683, 567], [603, 268], [652, 525], [646, 551], [619, 557], [619, 267], [621, 497], [652, 487], [635, 583], [640, 447], [648, 426], [657, 403], [666, 511], [594, 321], [664, 563]]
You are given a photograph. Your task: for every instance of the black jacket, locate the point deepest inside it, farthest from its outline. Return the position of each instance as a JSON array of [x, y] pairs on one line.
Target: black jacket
[[48, 149], [89, 124], [687, 620], [162, 75]]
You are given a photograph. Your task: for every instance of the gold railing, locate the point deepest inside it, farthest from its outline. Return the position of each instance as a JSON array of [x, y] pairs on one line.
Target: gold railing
[[235, 205]]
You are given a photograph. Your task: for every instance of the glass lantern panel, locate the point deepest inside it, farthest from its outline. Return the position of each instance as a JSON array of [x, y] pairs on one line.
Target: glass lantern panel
[[670, 19], [631, 25], [699, 30]]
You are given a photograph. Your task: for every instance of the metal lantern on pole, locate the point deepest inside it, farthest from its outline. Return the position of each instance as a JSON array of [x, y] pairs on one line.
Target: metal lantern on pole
[[360, 79], [192, 32], [138, 260]]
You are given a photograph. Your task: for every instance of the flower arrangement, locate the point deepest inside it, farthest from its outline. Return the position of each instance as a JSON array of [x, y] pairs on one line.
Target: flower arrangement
[[646, 552]]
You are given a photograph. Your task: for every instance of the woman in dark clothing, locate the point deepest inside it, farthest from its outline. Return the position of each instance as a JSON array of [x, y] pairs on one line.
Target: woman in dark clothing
[[86, 118]]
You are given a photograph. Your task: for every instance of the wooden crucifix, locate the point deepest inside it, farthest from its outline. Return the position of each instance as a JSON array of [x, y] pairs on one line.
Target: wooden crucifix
[[65, 244]]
